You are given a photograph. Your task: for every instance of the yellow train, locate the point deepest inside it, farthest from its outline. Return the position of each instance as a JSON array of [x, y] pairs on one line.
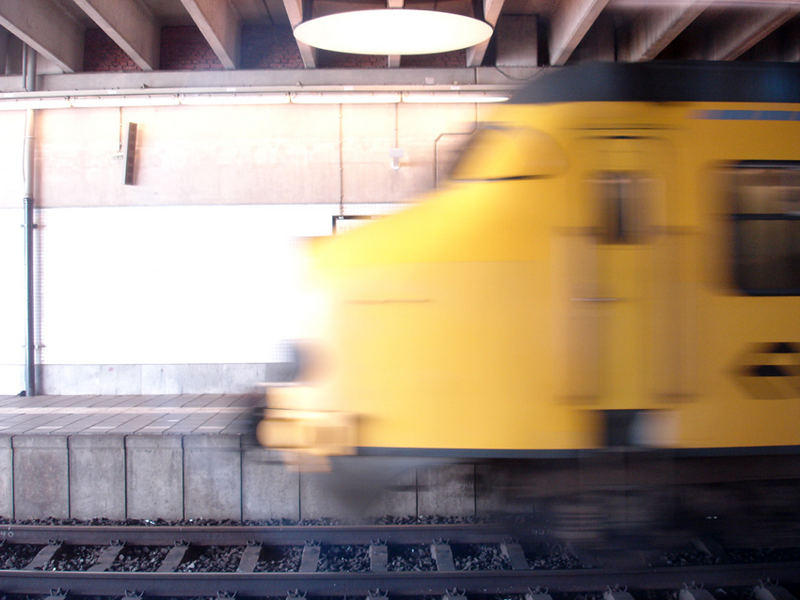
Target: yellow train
[[614, 262]]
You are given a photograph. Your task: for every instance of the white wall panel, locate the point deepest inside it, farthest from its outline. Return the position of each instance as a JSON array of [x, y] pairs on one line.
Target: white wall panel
[[174, 284], [12, 301], [12, 136]]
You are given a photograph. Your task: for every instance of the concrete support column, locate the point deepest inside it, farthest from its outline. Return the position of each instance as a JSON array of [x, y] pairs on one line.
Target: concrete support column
[[517, 41]]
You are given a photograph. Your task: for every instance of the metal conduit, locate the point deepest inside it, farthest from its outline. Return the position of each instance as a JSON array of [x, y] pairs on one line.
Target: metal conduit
[[29, 74]]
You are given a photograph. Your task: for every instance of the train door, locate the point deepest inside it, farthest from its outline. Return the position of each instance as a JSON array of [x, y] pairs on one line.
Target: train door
[[625, 324]]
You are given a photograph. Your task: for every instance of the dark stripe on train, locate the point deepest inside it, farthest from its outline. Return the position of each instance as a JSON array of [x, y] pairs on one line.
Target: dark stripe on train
[[481, 453], [658, 81]]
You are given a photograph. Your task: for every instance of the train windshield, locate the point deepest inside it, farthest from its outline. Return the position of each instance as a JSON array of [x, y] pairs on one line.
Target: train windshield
[[503, 152]]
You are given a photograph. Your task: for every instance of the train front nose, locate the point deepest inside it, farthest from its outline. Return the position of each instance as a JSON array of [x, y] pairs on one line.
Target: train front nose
[[296, 420]]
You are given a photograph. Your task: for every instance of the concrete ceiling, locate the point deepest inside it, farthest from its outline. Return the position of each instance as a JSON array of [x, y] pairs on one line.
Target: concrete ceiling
[[528, 33]]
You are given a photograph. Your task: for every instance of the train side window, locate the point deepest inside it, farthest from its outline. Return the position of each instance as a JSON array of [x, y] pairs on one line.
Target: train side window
[[765, 215], [620, 208]]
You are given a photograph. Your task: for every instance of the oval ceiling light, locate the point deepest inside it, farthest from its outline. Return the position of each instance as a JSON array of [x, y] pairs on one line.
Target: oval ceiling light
[[392, 31]]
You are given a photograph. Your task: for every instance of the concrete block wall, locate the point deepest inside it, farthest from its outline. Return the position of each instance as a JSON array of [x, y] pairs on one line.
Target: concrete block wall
[[175, 477], [40, 476], [154, 477], [212, 471], [91, 495], [269, 489], [133, 379], [6, 479]]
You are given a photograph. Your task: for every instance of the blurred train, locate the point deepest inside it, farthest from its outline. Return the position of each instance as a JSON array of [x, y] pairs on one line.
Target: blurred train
[[613, 263]]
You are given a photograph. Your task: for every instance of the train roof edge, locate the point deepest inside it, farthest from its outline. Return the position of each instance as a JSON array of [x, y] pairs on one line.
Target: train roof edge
[[696, 81]]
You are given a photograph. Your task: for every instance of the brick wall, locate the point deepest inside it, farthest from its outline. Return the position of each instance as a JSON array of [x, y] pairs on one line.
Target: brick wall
[[101, 53], [262, 47], [185, 49], [446, 60], [341, 60], [269, 47]]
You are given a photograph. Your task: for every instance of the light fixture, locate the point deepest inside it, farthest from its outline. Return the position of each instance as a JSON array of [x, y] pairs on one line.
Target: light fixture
[[452, 97], [35, 103], [393, 31], [395, 154], [233, 99], [131, 100], [346, 98]]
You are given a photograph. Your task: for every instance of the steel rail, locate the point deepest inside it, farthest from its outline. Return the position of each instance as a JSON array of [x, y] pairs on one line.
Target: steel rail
[[158, 535], [344, 584]]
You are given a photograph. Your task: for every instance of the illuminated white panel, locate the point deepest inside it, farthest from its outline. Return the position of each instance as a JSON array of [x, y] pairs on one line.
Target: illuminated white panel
[[12, 300], [393, 31], [177, 284]]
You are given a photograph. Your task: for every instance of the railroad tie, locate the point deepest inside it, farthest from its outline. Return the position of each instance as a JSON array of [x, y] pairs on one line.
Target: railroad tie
[[106, 558], [516, 556], [310, 558], [58, 594], [443, 555], [43, 557], [173, 558], [616, 595], [695, 594], [249, 560], [377, 595], [772, 592], [454, 595], [378, 558]]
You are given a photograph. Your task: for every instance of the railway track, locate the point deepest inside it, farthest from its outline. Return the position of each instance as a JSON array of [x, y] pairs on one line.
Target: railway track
[[516, 572]]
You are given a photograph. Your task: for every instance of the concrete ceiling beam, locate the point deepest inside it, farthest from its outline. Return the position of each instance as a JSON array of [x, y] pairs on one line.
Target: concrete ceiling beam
[[219, 23], [393, 61], [569, 24], [656, 29], [491, 12], [744, 32], [294, 10], [46, 28], [131, 25]]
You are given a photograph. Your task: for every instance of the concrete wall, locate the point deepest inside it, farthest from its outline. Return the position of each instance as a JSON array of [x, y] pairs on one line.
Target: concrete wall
[[211, 476], [283, 154], [174, 283]]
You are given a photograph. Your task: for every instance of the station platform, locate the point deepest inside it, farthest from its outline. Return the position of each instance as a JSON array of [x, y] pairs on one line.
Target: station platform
[[190, 456]]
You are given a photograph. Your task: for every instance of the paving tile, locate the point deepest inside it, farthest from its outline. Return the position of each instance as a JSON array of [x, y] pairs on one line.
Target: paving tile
[[201, 400], [157, 400], [242, 425], [161, 423], [84, 424], [9, 400], [17, 423], [54, 424], [188, 425], [110, 423], [108, 401], [135, 424]]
